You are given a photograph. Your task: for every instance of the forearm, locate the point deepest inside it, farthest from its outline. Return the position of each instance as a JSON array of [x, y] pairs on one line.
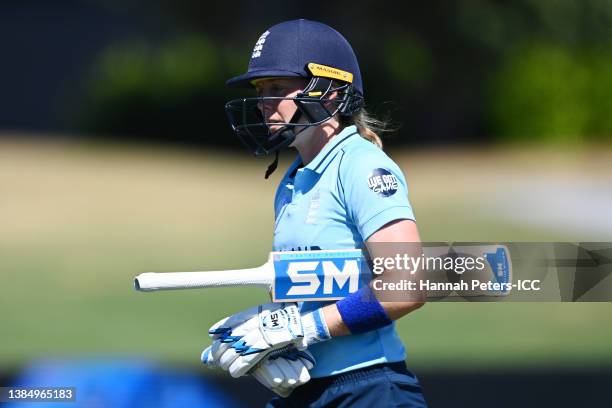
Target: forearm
[[334, 321], [394, 310], [400, 231]]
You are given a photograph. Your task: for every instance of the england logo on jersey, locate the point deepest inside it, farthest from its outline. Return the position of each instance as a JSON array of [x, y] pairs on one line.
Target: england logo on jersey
[[382, 182]]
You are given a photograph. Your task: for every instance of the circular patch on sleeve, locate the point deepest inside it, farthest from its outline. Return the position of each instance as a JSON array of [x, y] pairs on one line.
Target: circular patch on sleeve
[[382, 182]]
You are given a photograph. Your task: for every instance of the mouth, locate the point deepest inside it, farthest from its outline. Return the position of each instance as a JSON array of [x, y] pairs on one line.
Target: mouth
[[275, 125]]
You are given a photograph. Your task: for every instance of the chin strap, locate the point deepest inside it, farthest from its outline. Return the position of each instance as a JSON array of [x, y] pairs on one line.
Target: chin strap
[[272, 166]]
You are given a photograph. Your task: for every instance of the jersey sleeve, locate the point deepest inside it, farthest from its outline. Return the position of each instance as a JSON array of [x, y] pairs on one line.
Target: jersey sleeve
[[374, 189]]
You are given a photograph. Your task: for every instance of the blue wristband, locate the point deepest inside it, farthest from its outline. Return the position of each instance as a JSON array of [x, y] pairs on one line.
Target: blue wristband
[[361, 312]]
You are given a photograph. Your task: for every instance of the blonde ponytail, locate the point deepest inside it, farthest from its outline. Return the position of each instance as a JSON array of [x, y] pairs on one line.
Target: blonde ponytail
[[368, 126]]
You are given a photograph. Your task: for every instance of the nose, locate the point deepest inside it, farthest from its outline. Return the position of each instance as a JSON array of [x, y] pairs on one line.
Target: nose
[[268, 108]]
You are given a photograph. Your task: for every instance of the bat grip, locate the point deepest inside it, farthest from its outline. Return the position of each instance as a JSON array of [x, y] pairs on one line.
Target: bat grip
[[152, 281]]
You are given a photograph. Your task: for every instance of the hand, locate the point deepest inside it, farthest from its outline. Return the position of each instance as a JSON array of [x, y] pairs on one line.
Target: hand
[[284, 373], [281, 374], [244, 339]]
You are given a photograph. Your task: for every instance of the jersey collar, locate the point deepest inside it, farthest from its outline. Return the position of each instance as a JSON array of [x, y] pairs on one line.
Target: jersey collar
[[329, 151]]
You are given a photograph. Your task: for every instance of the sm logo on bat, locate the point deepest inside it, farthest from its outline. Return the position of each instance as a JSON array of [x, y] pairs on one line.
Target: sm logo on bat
[[325, 276]]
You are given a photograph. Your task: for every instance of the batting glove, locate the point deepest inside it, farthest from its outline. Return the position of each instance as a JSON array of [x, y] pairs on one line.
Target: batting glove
[[281, 373], [286, 372], [244, 339]]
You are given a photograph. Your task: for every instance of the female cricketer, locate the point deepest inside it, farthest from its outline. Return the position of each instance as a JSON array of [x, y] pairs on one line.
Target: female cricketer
[[341, 192]]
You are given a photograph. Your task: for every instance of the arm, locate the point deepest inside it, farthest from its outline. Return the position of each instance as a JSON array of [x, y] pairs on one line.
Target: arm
[[395, 231], [244, 339]]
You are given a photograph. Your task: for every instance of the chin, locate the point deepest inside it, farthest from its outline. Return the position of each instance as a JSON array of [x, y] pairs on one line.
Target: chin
[[303, 137]]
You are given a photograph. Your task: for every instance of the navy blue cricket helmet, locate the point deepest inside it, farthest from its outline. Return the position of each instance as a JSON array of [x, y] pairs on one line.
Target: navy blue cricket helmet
[[297, 49]]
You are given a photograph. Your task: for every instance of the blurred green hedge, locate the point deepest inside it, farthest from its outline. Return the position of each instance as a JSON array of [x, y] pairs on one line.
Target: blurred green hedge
[[527, 70], [162, 91], [551, 93]]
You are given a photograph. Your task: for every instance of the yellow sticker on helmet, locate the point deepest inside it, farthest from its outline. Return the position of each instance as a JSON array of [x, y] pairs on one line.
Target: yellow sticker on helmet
[[329, 72]]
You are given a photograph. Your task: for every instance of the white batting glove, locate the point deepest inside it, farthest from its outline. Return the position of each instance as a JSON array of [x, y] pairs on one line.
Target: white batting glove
[[281, 374], [244, 339], [286, 372]]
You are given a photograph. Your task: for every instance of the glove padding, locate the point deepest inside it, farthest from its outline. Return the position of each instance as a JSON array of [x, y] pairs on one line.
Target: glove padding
[[279, 373], [286, 372], [244, 339]]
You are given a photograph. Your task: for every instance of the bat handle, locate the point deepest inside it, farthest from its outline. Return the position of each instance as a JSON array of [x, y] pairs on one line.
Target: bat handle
[[153, 281]]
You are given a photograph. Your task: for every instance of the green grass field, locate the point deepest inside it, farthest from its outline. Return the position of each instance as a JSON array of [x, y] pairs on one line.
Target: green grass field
[[77, 222]]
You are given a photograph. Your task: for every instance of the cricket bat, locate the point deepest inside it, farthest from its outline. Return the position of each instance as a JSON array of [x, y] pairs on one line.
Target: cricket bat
[[325, 275]]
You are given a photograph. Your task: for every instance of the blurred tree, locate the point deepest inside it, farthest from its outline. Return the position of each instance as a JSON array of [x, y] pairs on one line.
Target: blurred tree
[[153, 91], [454, 70], [540, 92], [599, 126]]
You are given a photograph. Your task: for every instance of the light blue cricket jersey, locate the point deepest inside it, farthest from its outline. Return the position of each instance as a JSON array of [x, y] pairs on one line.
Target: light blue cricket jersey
[[349, 191]]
